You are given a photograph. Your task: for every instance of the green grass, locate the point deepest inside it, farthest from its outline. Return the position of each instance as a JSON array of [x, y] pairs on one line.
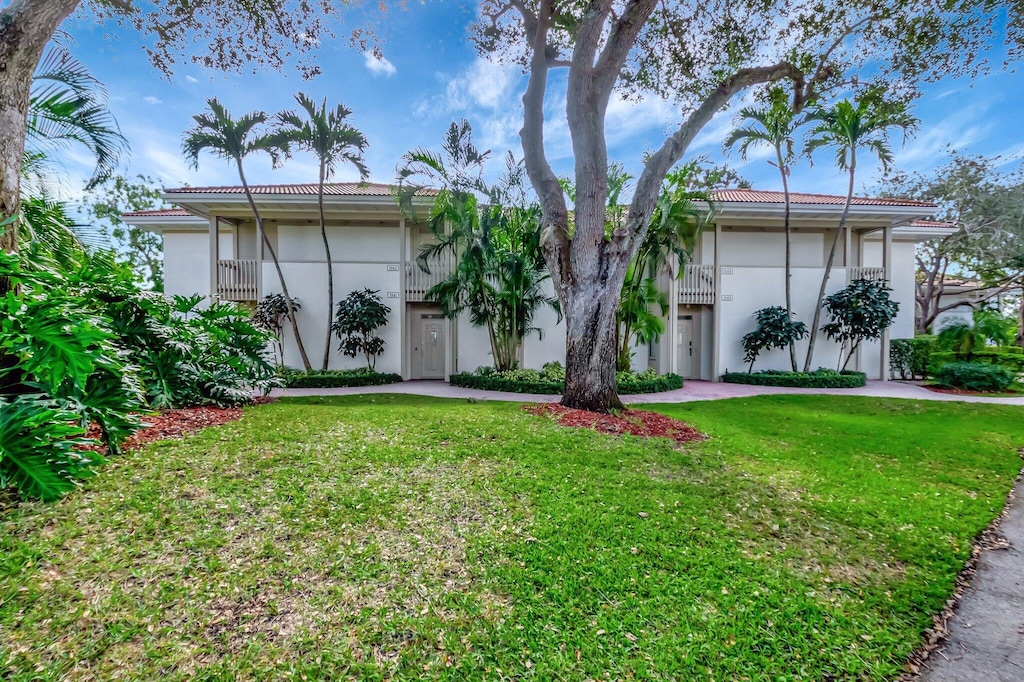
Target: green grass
[[397, 537]]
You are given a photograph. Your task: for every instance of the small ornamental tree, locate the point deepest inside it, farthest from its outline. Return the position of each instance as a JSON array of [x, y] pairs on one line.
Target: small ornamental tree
[[358, 316], [270, 315], [860, 312], [775, 329]]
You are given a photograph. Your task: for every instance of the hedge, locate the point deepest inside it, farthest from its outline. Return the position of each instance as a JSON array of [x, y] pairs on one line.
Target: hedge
[[659, 384], [1009, 358], [911, 358], [337, 378], [973, 376], [822, 378]]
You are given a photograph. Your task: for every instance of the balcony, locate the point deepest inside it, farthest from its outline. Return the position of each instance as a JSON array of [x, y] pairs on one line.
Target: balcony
[[237, 280], [417, 282], [697, 285], [873, 274]]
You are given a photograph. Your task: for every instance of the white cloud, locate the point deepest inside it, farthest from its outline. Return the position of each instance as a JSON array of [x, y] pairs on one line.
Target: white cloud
[[485, 84], [379, 66], [150, 99], [191, 79]]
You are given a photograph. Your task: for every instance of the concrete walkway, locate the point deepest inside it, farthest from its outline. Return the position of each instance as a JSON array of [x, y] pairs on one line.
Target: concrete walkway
[[987, 630], [693, 390]]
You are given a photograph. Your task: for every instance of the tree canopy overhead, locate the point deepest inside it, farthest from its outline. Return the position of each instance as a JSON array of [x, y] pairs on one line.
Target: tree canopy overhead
[[236, 35], [699, 55]]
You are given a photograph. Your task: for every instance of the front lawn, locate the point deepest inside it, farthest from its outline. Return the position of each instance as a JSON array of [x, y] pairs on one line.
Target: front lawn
[[398, 537]]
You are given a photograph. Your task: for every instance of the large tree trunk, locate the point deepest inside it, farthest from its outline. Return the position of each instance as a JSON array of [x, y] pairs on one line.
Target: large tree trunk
[[25, 28], [591, 345]]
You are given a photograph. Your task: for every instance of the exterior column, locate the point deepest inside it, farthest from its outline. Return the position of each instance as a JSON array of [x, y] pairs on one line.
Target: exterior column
[[716, 310], [259, 261], [883, 354], [403, 277], [214, 253], [673, 320]]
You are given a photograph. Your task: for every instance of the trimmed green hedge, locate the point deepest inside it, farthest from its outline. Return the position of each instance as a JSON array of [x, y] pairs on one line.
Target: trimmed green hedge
[[337, 378], [912, 358], [494, 382], [822, 378], [973, 376], [1011, 359]]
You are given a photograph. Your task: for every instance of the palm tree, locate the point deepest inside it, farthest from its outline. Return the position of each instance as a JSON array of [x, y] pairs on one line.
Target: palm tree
[[68, 106], [333, 141], [499, 273], [672, 235], [233, 140], [848, 127], [774, 127]]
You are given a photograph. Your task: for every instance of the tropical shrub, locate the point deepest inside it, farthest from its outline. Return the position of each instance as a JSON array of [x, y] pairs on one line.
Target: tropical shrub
[[41, 447], [80, 341], [775, 329], [359, 315], [820, 378], [986, 327], [270, 315], [337, 378], [972, 376], [499, 273], [860, 312], [552, 371]]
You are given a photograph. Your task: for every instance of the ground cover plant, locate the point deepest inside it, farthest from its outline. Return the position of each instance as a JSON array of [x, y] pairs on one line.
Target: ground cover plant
[[819, 378], [550, 380], [401, 537], [337, 378]]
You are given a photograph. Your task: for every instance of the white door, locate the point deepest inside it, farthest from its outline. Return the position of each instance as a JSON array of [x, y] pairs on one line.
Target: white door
[[430, 347], [687, 361]]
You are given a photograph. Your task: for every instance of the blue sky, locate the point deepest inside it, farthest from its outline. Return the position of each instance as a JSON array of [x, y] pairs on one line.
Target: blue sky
[[431, 75]]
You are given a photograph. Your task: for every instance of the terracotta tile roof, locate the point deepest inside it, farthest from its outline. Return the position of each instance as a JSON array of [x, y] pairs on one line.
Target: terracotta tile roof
[[335, 189], [160, 213], [774, 197]]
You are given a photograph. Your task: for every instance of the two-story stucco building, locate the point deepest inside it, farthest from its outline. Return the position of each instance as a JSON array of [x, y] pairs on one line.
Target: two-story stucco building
[[211, 247]]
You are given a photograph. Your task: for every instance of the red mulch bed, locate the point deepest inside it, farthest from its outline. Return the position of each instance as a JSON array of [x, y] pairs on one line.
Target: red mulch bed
[[169, 424], [633, 422]]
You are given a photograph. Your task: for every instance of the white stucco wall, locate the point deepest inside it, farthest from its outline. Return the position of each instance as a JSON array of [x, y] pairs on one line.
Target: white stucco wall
[[308, 283], [754, 288], [186, 263], [349, 243], [760, 249], [902, 283]]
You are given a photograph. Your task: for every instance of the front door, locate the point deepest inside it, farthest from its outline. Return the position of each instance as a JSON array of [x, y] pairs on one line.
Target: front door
[[687, 364], [430, 346]]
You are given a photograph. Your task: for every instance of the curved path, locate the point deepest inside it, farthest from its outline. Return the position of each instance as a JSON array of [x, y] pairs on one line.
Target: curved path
[[693, 390]]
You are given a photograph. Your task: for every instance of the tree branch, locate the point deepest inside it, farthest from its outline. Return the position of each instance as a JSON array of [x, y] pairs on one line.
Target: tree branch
[[543, 178]]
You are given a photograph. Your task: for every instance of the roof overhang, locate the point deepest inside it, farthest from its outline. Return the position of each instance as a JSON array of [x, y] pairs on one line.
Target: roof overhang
[[161, 223], [860, 216], [272, 206]]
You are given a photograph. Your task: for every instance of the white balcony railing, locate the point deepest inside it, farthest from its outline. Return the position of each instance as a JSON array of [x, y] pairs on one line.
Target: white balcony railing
[[237, 280], [417, 282], [873, 274], [697, 285]]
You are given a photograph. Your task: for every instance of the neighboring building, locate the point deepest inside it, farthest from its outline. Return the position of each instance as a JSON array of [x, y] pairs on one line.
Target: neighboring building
[[968, 296], [211, 246]]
